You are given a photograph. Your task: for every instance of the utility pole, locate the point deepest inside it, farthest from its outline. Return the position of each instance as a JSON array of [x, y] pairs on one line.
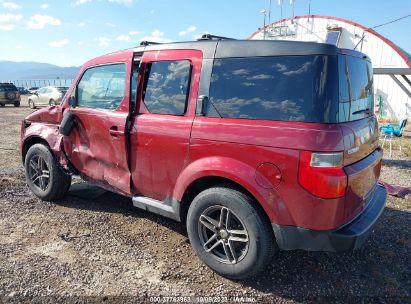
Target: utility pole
[[280, 3], [264, 12], [269, 13]]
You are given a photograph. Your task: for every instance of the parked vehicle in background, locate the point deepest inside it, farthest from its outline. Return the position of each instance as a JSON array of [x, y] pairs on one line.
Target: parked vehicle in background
[[23, 90], [47, 96], [9, 94], [33, 90], [255, 145]]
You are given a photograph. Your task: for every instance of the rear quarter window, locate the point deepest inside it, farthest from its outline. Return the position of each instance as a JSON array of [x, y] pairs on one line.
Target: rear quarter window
[[289, 88], [356, 94]]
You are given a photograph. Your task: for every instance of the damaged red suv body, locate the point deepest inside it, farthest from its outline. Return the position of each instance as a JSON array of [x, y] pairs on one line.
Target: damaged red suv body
[[255, 145]]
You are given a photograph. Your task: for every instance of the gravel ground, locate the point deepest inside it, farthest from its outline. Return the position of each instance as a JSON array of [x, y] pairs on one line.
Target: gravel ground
[[100, 248]]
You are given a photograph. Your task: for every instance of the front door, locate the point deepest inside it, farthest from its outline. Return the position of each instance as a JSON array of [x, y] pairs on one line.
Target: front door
[[160, 133], [96, 146]]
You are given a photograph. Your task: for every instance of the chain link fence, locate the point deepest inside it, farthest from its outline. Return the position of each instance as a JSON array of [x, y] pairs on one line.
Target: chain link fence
[[29, 83]]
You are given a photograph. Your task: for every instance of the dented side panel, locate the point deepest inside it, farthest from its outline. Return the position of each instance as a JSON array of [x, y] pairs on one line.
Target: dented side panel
[[97, 145], [94, 152]]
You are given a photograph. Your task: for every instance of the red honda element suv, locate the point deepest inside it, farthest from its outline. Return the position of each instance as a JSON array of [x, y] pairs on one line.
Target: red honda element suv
[[256, 145]]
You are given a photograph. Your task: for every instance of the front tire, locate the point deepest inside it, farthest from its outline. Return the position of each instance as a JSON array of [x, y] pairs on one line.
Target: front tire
[[2, 105], [17, 104], [229, 233], [44, 176]]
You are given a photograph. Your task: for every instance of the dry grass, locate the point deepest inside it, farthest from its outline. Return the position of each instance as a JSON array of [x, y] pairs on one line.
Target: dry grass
[[396, 141]]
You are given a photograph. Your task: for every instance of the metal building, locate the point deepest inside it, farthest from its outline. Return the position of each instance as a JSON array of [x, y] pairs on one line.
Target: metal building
[[392, 65]]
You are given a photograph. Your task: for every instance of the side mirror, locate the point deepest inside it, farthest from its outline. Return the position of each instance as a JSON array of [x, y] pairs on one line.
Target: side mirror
[[67, 123], [202, 102], [72, 101]]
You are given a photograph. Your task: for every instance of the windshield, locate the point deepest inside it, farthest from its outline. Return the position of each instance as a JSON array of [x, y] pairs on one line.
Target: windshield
[[63, 90]]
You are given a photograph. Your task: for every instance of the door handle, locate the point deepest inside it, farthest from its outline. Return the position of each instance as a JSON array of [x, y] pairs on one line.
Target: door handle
[[115, 132]]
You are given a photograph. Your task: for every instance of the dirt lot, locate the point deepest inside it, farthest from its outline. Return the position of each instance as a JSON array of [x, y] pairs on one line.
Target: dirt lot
[[101, 248]]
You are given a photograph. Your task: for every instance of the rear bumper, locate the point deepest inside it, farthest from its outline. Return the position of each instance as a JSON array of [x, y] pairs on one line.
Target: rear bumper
[[348, 237], [8, 101]]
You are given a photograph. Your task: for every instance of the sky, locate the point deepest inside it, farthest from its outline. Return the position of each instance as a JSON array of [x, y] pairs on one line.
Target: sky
[[70, 32]]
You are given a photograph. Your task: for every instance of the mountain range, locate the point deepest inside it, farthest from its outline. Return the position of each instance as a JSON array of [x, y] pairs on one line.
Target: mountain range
[[10, 70]]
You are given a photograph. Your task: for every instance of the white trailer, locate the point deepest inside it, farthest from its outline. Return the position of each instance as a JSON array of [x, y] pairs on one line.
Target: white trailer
[[392, 65]]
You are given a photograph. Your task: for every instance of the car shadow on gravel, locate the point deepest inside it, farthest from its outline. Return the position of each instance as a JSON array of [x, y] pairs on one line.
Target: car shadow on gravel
[[97, 199], [380, 268]]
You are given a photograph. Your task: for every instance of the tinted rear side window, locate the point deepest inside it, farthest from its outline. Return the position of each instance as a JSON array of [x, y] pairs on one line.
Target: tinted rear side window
[[167, 87], [356, 88], [291, 88]]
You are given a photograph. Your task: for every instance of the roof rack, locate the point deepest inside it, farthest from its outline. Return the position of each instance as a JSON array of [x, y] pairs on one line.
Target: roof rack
[[145, 43], [214, 37]]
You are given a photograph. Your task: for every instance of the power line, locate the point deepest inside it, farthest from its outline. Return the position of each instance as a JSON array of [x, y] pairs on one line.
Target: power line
[[374, 27], [392, 21]]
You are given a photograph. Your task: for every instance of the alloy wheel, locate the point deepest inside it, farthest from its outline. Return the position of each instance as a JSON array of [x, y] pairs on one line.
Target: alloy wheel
[[223, 234], [39, 172]]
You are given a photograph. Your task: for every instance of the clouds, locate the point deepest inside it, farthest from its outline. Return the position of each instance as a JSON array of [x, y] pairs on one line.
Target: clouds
[[9, 21], [187, 31], [156, 36], [38, 22], [10, 5], [125, 38], [121, 2], [103, 41], [128, 37], [80, 2], [58, 43]]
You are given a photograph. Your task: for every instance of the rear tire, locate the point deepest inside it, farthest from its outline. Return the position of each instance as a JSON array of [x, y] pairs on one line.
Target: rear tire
[[229, 233], [2, 105], [44, 176], [17, 104], [52, 102]]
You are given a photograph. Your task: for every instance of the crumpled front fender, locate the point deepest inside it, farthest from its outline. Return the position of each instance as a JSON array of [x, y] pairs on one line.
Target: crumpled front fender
[[43, 126]]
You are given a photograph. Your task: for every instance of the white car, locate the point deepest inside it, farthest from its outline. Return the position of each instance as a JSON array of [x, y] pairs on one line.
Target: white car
[[33, 90], [47, 96]]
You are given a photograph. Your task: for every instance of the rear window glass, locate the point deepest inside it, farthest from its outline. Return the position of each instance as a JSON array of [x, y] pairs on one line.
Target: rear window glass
[[291, 88]]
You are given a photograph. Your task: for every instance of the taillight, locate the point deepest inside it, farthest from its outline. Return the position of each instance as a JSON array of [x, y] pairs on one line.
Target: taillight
[[322, 174]]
